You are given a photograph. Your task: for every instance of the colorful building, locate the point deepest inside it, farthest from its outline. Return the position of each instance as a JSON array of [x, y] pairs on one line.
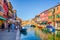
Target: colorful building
[[54, 15], [57, 15], [51, 15], [6, 12], [3, 11], [44, 16]]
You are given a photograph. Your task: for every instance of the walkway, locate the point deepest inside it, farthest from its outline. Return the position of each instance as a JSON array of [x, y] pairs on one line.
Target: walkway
[[5, 35]]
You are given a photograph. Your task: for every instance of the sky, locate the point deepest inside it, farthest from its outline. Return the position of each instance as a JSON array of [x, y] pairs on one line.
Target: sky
[[28, 9]]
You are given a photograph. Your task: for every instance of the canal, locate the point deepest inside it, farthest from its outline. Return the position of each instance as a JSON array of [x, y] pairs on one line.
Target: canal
[[36, 34], [30, 34]]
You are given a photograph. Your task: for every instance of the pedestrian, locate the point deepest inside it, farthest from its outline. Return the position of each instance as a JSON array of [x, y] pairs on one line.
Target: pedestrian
[[20, 27], [9, 27], [3, 26], [16, 26], [13, 26]]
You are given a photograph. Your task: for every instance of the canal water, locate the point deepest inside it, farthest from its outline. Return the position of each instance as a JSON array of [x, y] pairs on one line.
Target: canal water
[[30, 34]]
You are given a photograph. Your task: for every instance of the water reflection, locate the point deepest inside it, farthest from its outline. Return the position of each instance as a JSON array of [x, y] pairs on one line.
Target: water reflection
[[30, 34], [23, 31]]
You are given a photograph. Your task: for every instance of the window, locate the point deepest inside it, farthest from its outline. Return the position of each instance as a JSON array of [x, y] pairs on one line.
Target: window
[[4, 1], [50, 17], [58, 24], [58, 16], [50, 10], [53, 11], [1, 9], [56, 8]]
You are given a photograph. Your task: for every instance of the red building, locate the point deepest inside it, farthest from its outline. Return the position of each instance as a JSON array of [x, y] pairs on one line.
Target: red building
[[3, 8], [3, 11]]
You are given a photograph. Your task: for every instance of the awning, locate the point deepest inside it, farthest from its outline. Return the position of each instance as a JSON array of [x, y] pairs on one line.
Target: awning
[[44, 23], [1, 18], [49, 22]]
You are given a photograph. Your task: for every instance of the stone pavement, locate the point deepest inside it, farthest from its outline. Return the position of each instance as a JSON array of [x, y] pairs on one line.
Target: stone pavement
[[5, 35]]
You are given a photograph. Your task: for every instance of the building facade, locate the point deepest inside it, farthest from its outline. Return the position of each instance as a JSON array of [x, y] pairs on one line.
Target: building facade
[[51, 15], [3, 12], [6, 12]]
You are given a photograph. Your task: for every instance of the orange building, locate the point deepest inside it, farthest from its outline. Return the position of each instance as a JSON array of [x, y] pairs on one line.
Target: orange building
[[52, 15], [57, 15]]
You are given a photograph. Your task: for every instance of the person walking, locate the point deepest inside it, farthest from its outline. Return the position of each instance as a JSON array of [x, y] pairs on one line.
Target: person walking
[[13, 26], [3, 26], [20, 27], [16, 26], [9, 27]]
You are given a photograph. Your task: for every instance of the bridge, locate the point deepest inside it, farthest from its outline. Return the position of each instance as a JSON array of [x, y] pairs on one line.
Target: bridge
[[29, 22]]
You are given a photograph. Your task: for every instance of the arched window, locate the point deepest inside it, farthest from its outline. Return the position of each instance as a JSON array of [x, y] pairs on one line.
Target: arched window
[[1, 9]]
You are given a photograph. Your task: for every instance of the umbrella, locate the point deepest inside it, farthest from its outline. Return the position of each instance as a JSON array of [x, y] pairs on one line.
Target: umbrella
[[49, 26], [43, 22], [49, 22]]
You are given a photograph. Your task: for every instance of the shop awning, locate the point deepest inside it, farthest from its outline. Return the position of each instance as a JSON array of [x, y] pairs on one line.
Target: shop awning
[[44, 23], [1, 18], [49, 22]]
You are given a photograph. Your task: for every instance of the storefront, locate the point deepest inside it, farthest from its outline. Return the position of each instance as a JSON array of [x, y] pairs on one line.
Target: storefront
[[0, 23], [1, 15], [2, 20]]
